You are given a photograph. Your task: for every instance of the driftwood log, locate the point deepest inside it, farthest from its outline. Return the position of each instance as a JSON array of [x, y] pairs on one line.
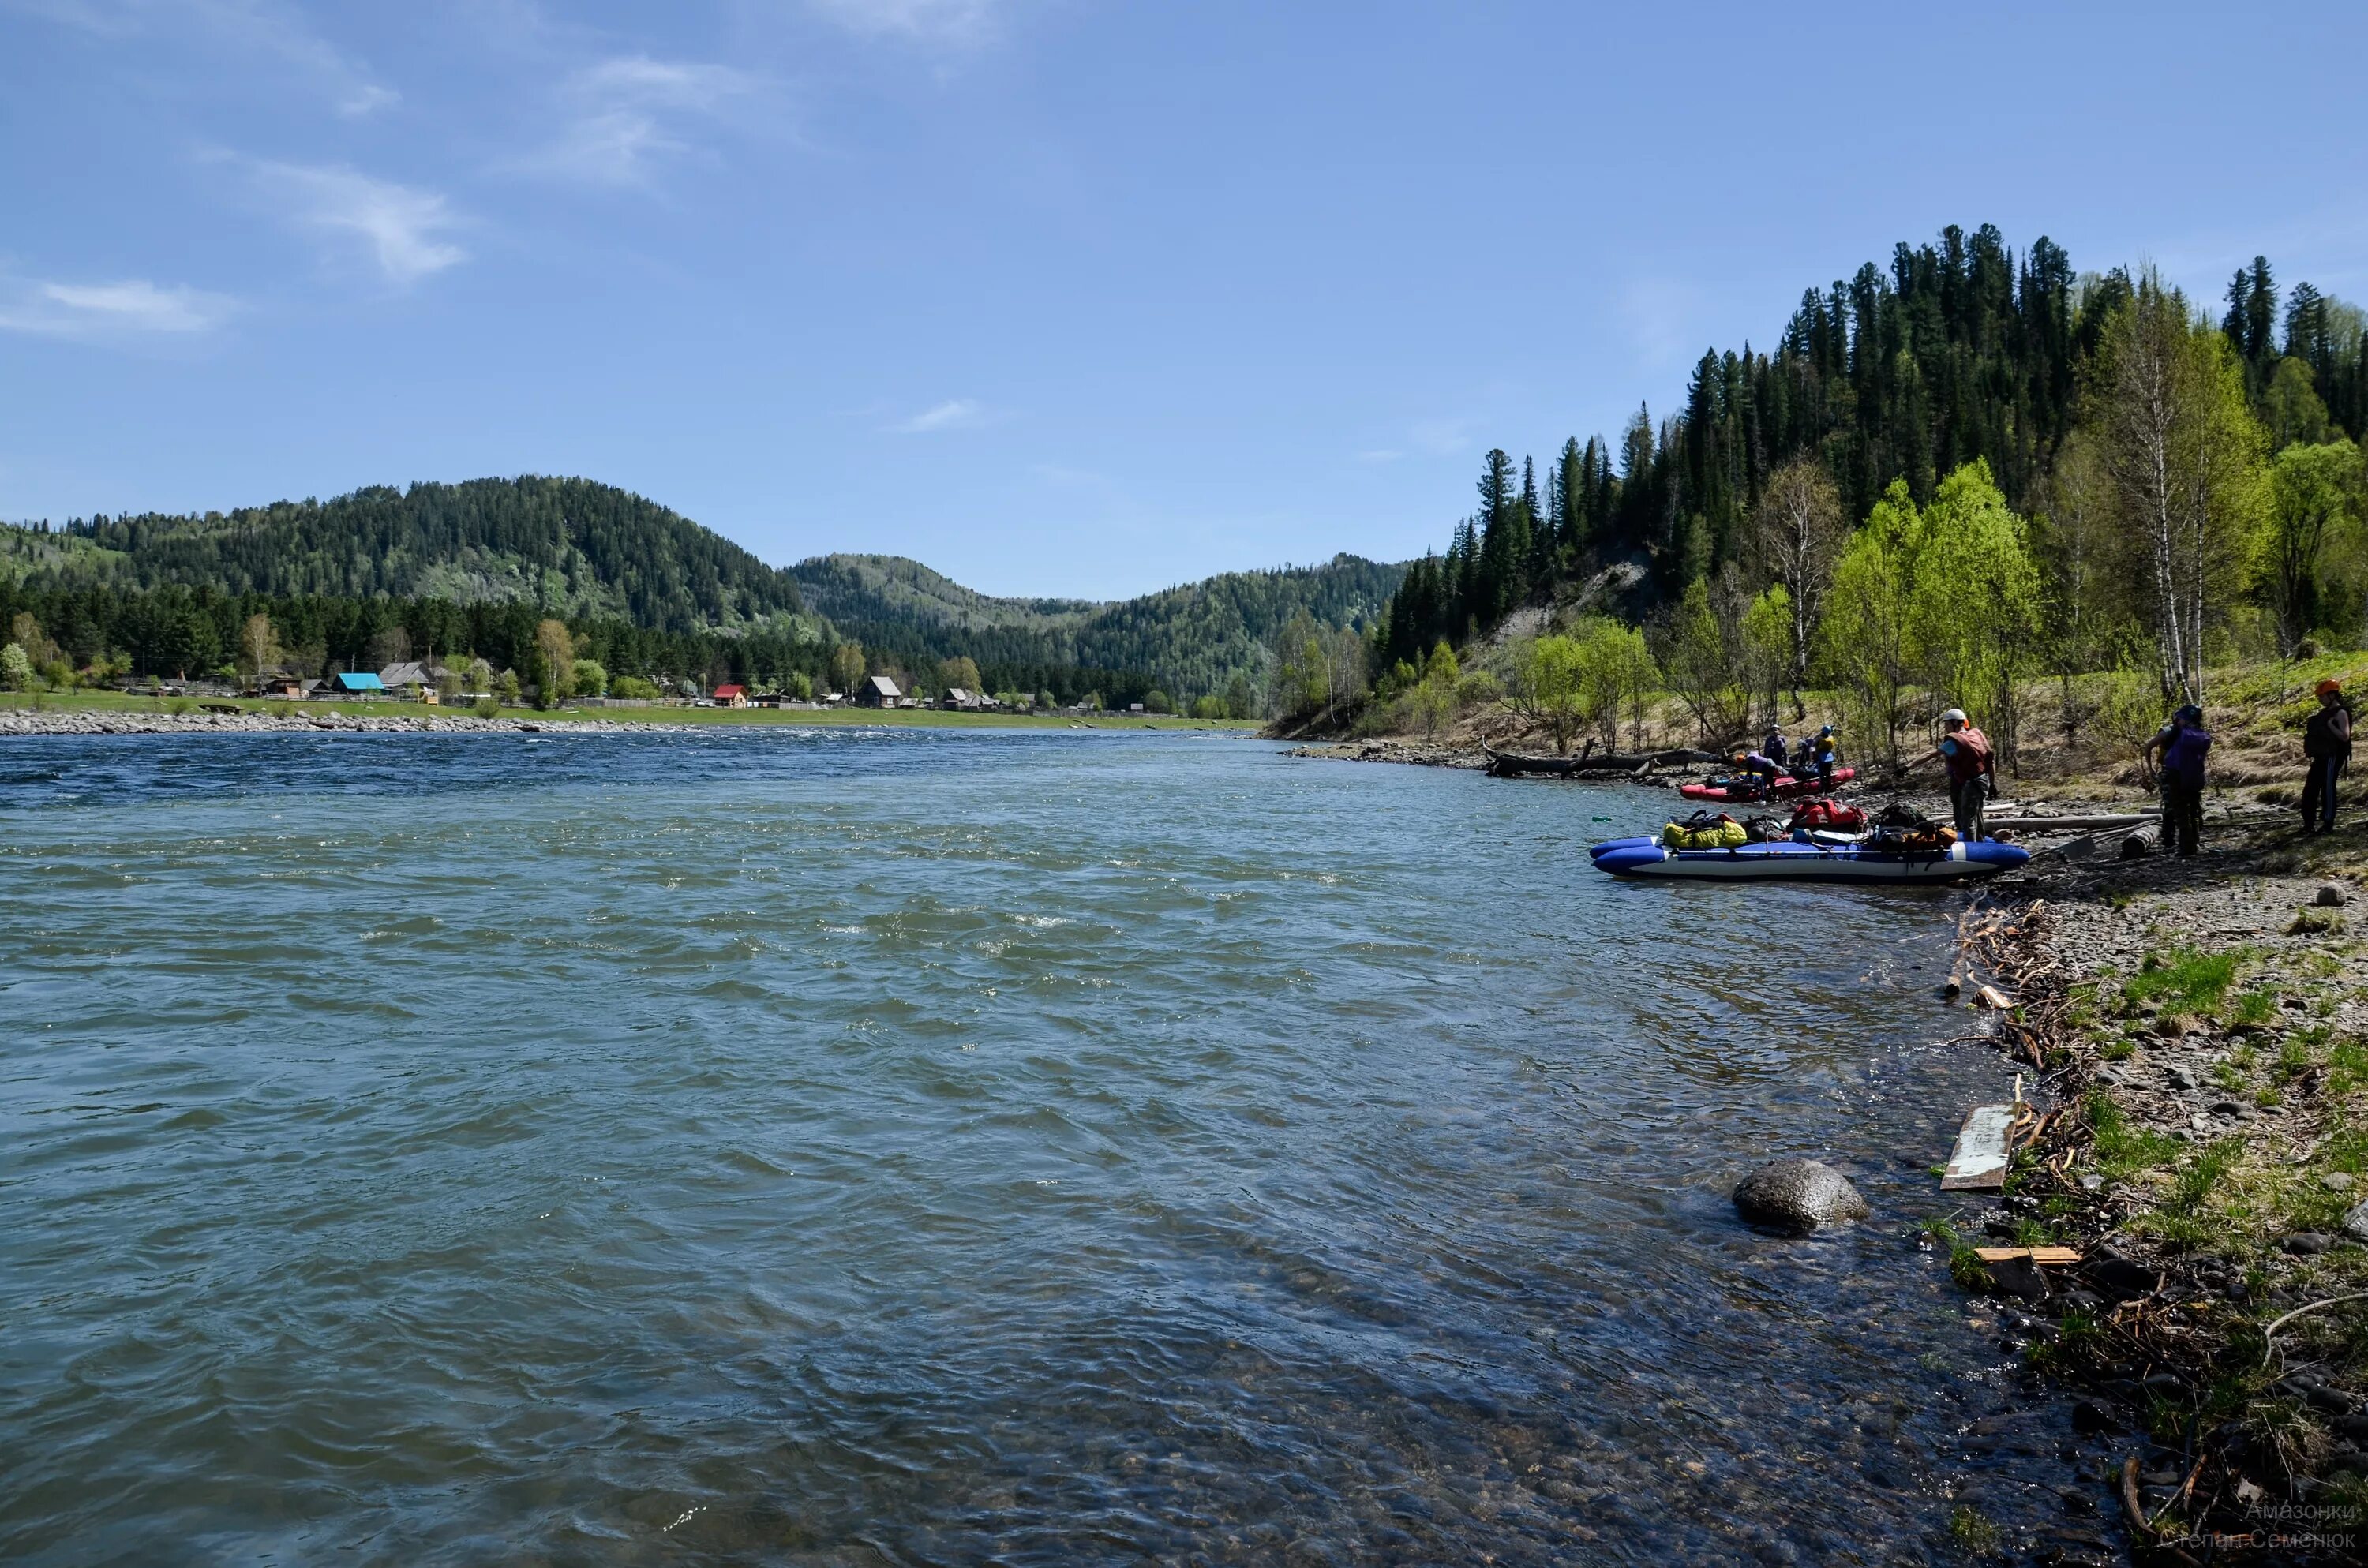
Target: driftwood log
[[1508, 763]]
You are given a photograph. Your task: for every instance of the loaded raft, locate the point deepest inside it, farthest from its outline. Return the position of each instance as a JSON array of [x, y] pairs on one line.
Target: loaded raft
[[1824, 841]]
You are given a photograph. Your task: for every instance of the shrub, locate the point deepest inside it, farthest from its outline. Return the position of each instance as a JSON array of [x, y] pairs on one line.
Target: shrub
[[487, 708]]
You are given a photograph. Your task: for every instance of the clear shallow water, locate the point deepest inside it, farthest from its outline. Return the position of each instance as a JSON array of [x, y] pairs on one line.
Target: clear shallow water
[[947, 1148]]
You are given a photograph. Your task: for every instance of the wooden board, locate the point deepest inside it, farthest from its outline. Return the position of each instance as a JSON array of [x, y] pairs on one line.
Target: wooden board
[[1979, 1161], [2036, 1255]]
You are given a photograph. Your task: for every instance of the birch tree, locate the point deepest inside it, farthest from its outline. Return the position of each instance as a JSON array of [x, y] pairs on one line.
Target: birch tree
[[2165, 403], [1796, 533]]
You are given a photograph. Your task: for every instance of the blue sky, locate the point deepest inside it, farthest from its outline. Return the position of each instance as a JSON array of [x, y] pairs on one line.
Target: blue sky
[[1060, 296]]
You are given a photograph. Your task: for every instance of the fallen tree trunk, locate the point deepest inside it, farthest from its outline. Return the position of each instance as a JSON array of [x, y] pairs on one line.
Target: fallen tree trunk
[[1503, 764], [2075, 824]]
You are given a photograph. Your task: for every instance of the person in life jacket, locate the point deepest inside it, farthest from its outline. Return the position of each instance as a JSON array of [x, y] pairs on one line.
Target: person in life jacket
[[2327, 752], [2183, 743], [1972, 771], [1776, 748], [1821, 752]]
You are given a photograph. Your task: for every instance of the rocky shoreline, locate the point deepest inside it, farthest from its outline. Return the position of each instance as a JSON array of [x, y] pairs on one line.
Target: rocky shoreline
[[2195, 1032]]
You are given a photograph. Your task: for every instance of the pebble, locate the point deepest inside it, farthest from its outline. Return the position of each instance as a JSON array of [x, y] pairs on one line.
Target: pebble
[[2338, 1181], [2331, 896]]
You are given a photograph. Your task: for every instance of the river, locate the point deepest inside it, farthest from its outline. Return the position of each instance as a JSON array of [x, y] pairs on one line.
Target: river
[[911, 1147]]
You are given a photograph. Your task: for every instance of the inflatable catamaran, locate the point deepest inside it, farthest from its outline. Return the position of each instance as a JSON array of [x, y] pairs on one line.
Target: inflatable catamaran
[[1818, 860]]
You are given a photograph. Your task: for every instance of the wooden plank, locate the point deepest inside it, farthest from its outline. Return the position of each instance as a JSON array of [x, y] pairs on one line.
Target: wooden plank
[[2036, 1255], [1979, 1161], [1991, 997]]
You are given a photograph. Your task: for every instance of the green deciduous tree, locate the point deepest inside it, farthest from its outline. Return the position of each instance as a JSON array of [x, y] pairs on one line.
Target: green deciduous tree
[[1698, 655], [1974, 603], [1547, 688], [15, 668], [2165, 403], [1865, 638], [1766, 648], [2314, 491], [587, 679]]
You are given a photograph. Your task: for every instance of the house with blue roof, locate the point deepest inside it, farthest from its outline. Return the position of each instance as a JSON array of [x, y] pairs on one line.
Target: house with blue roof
[[354, 683]]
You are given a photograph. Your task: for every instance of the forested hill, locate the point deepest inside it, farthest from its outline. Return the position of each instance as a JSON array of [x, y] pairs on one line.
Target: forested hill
[[1195, 638], [576, 548], [1952, 352]]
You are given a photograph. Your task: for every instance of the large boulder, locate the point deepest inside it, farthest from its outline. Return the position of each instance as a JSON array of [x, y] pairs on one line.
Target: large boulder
[[1798, 1195]]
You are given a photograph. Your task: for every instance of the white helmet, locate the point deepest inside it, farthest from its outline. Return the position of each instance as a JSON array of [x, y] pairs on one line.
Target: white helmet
[[1953, 716]]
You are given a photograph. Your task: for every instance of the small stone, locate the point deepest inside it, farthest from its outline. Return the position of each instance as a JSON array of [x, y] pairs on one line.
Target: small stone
[[2018, 1277], [2355, 1223], [2338, 1181], [2091, 1182], [2119, 1280], [2306, 1244], [1799, 1196], [2331, 896], [2090, 1419], [2182, 1076]]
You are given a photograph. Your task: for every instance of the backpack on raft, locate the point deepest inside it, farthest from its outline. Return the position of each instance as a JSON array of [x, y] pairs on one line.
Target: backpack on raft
[[1766, 829], [1828, 815], [1705, 830]]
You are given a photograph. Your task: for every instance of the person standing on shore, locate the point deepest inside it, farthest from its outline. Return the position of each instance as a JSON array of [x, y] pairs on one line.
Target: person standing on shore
[[2182, 744], [1821, 756], [1972, 771], [2327, 752]]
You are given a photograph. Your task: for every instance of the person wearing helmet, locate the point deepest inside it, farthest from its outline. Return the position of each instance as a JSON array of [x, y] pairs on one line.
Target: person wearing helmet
[[2181, 744], [1972, 771], [2327, 752]]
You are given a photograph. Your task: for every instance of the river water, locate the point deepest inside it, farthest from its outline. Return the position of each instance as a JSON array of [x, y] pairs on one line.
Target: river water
[[943, 1148]]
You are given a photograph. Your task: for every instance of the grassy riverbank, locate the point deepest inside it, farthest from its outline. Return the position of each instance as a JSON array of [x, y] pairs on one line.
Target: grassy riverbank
[[107, 704], [2200, 1031]]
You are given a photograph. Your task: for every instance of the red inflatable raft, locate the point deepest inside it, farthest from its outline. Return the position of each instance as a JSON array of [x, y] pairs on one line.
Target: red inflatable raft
[[1785, 787]]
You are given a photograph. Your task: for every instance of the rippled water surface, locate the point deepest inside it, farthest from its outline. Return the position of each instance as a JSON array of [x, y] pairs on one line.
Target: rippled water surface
[[918, 1148]]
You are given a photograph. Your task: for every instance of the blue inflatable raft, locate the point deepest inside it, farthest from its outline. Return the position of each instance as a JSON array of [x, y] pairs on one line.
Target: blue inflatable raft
[[1827, 861]]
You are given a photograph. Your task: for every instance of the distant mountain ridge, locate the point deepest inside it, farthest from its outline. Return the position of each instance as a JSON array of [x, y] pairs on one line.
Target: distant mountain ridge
[[1193, 638], [586, 550], [581, 548]]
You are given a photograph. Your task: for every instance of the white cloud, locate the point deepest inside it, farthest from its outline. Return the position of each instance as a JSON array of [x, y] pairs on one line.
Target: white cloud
[[950, 21], [129, 308], [265, 28], [401, 228], [622, 111], [954, 414]]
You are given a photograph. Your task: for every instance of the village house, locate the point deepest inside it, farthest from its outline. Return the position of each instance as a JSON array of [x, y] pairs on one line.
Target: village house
[[732, 696], [410, 678], [879, 691], [962, 697], [352, 683]]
